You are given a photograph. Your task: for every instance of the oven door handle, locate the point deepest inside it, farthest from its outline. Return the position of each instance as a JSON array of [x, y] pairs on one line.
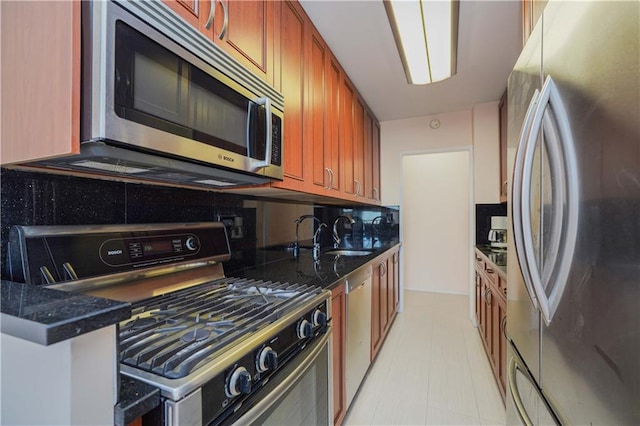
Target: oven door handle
[[260, 407]]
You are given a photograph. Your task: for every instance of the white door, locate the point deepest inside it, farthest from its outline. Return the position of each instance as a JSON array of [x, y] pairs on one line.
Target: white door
[[435, 222]]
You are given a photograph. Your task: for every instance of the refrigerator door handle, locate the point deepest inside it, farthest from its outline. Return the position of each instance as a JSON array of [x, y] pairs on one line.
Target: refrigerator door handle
[[517, 195], [565, 200], [515, 394]]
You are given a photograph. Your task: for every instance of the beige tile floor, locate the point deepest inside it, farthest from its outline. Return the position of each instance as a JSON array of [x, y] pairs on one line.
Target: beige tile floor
[[432, 370]]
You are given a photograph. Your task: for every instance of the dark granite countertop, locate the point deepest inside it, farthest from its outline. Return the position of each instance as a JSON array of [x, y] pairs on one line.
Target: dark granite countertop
[[46, 316], [136, 399], [278, 263], [497, 257]]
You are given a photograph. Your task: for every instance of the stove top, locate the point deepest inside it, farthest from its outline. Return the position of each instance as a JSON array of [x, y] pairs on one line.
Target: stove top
[[174, 334], [194, 334]]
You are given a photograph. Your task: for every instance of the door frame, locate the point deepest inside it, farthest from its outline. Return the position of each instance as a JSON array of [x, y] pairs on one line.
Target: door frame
[[472, 218]]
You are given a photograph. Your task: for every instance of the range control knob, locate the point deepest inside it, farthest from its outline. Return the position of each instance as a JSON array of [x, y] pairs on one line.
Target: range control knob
[[305, 329], [238, 382], [319, 318], [192, 243], [267, 360]]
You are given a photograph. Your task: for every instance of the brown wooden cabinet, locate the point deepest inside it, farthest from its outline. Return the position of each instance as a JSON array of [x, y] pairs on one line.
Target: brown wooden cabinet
[[491, 315], [40, 80], [347, 136], [502, 109], [331, 139], [385, 298], [375, 160], [292, 85], [395, 261], [333, 161], [371, 158], [338, 324], [323, 107], [358, 146], [245, 29], [317, 112]]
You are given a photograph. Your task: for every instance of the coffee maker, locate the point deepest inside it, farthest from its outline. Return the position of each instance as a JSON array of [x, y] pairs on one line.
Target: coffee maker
[[498, 233]]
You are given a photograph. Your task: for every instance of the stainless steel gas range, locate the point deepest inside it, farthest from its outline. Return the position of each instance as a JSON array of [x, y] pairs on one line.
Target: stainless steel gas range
[[222, 350]]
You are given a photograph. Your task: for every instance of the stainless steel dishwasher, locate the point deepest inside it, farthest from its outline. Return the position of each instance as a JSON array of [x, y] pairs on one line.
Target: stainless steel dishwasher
[[358, 356]]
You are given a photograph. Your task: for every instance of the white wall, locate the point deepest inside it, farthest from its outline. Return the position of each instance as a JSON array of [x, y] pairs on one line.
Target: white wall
[[413, 135], [486, 153], [475, 129], [435, 235]]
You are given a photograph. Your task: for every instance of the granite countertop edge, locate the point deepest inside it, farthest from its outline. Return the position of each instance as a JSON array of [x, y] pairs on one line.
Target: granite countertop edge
[[46, 316]]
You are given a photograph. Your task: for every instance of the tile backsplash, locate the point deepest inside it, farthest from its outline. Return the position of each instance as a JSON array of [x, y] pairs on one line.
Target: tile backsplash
[[29, 198]]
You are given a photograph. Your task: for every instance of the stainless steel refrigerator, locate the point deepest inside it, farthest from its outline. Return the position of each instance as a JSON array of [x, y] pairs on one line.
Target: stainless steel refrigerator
[[573, 300]]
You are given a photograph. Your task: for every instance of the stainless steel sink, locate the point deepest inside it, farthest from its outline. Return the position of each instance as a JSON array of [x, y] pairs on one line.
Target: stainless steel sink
[[348, 252]]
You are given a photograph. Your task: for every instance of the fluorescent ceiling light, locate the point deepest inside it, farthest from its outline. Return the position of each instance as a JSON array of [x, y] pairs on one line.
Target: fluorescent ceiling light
[[426, 33]]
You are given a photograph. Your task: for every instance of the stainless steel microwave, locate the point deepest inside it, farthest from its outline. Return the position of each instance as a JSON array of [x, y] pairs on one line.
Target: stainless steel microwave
[[163, 103]]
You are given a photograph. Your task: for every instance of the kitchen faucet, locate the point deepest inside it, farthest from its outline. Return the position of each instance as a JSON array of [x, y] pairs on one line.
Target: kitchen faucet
[[316, 243], [298, 221], [336, 237], [375, 231]]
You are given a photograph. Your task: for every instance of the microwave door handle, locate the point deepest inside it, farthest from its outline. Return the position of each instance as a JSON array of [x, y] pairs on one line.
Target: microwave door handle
[[267, 151]]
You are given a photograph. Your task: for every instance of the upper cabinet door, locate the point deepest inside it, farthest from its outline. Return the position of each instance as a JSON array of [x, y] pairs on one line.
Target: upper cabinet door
[[376, 161], [244, 29], [347, 103], [371, 158], [332, 122], [316, 106], [291, 47]]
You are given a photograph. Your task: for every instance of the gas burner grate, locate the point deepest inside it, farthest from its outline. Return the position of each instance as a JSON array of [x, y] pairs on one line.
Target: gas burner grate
[[174, 334]]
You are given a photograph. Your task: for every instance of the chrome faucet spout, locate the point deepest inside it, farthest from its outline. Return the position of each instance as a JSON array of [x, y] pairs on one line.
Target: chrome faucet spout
[[316, 244], [374, 230], [298, 221], [336, 237]]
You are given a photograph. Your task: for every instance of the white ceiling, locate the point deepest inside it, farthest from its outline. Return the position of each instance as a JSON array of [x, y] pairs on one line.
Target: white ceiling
[[358, 33]]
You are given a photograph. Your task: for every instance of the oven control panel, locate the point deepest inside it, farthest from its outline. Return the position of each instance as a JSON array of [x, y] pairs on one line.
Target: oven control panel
[[224, 397], [55, 254], [122, 251]]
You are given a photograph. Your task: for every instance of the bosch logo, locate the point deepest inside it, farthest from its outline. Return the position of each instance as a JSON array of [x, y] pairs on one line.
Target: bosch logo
[[227, 158], [114, 252]]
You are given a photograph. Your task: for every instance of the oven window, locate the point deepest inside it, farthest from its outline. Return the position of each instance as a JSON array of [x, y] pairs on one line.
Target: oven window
[[157, 88], [307, 402]]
